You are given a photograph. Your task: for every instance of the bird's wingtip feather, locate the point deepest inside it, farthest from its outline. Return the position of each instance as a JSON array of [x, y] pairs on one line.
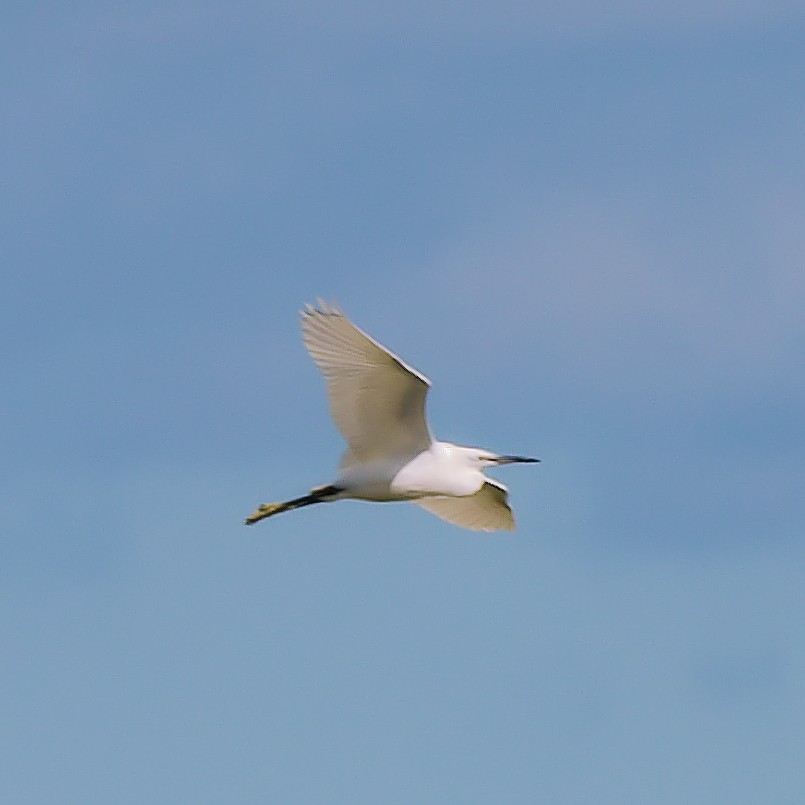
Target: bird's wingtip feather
[[322, 308]]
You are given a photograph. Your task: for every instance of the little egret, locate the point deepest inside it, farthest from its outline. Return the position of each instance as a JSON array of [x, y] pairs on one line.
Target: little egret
[[378, 403]]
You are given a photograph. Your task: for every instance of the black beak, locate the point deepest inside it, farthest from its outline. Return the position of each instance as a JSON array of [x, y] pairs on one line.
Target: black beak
[[517, 460]]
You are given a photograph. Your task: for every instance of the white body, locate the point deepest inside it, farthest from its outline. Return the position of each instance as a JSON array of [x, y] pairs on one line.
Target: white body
[[442, 469]]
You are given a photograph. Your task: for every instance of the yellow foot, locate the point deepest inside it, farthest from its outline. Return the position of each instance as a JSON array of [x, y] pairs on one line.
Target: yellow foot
[[266, 510]]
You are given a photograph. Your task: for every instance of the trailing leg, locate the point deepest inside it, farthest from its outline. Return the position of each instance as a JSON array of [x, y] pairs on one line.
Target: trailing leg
[[320, 494]]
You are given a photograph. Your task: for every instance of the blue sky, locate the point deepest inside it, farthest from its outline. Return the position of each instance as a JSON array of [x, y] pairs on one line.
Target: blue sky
[[585, 226]]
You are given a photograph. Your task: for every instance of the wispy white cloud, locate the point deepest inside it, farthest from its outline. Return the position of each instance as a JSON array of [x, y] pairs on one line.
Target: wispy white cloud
[[610, 287]]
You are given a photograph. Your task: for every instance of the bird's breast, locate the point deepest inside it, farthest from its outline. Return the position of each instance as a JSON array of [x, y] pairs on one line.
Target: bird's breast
[[432, 473]]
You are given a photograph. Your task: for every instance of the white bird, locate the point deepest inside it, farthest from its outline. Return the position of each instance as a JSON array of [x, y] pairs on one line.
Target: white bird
[[378, 403]]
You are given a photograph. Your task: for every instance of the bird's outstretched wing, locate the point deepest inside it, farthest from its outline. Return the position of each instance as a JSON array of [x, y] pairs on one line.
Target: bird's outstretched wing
[[376, 399], [486, 510]]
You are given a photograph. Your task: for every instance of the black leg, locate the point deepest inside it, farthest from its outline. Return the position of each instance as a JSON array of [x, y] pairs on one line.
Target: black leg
[[319, 495]]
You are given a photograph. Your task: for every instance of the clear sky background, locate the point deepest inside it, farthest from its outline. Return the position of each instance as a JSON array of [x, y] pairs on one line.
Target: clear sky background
[[585, 224]]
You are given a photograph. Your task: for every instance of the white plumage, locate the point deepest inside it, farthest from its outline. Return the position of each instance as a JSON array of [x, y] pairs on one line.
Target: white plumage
[[377, 401]]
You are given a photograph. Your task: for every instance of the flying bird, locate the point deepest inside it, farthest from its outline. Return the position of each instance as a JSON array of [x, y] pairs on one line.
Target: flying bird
[[378, 403]]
